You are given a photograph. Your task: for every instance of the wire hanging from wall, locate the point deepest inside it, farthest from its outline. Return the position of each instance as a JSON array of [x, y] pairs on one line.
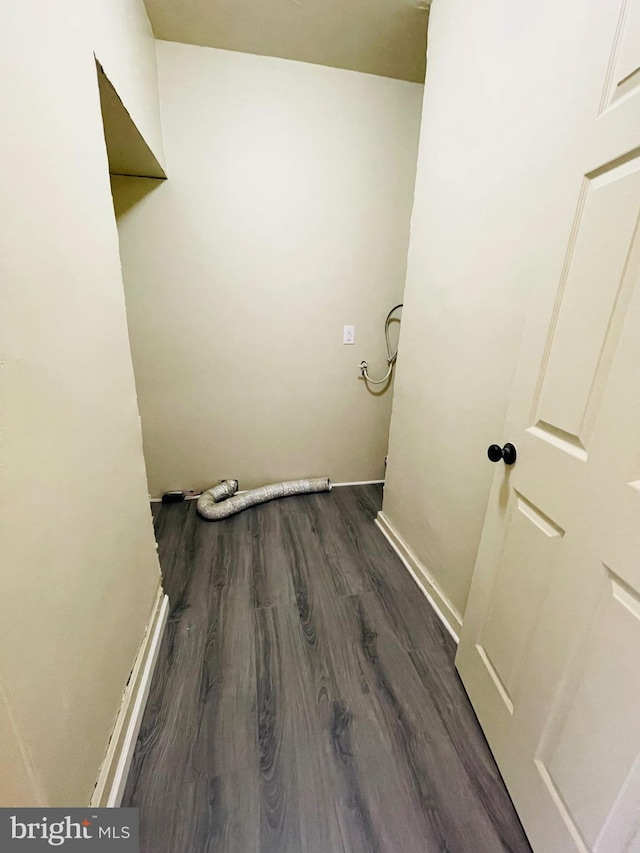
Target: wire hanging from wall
[[391, 356]]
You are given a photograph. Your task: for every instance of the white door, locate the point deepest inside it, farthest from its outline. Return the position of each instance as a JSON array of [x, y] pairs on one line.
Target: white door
[[550, 650]]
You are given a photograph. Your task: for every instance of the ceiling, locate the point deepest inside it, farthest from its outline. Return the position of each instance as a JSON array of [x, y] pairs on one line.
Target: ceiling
[[385, 37]]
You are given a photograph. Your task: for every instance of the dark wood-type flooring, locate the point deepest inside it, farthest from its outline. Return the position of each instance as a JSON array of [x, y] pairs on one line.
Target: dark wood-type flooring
[[305, 698]]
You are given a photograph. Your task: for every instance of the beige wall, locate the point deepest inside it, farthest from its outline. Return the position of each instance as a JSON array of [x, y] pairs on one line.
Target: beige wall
[[493, 124], [285, 217], [79, 568]]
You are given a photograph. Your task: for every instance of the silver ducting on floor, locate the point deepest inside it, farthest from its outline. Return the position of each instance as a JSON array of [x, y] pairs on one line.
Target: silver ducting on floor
[[215, 503], [225, 489]]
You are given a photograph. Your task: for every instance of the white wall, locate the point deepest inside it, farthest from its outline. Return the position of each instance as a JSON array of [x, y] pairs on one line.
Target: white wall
[[79, 568], [495, 103], [285, 216]]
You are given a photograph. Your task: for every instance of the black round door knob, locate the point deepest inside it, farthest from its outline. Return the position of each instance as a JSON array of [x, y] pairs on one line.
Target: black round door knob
[[507, 453]]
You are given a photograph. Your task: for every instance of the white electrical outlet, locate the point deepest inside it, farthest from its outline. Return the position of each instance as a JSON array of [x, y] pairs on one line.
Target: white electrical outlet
[[349, 335]]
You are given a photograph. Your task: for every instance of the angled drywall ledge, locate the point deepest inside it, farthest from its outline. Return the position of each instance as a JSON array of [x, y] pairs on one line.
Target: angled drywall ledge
[[127, 150]]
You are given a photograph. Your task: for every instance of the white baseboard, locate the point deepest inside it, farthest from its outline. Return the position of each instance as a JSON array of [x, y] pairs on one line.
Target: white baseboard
[[446, 612], [358, 483], [242, 491], [115, 767]]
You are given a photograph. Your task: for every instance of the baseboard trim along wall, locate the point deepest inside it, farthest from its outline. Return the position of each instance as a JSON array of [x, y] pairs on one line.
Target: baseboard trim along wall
[[242, 491], [358, 483], [115, 767], [446, 612]]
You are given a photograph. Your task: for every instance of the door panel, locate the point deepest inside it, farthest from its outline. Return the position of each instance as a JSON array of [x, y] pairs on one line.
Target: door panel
[[531, 544], [591, 304], [582, 757], [550, 648], [623, 79]]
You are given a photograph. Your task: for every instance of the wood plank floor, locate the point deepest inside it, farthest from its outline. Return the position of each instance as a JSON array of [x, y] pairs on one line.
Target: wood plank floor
[[305, 698]]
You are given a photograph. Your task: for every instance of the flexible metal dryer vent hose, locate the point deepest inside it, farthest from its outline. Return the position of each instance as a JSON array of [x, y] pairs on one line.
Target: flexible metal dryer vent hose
[[224, 489], [213, 506]]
